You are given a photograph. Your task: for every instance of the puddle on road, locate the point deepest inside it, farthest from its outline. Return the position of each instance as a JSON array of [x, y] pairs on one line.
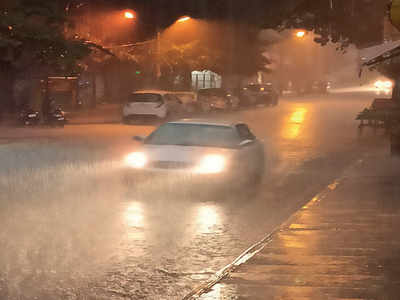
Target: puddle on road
[[295, 124]]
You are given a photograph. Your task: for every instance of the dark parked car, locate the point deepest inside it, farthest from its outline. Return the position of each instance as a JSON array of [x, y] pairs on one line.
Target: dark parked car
[[255, 94], [313, 87], [319, 87], [215, 99]]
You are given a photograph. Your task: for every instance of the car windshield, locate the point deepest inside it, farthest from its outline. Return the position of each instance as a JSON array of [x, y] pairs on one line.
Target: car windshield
[[213, 92], [259, 88], [145, 98], [194, 135]]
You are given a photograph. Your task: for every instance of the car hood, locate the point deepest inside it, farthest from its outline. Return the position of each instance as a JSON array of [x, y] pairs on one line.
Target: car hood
[[185, 154]]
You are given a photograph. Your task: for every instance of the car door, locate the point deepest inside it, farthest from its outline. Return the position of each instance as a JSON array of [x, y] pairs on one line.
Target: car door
[[174, 104], [251, 152]]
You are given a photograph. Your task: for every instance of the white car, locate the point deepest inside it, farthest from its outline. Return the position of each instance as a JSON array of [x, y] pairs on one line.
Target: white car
[[152, 103], [201, 148]]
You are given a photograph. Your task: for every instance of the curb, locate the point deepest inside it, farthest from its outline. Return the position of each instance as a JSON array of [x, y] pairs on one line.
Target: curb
[[93, 123]]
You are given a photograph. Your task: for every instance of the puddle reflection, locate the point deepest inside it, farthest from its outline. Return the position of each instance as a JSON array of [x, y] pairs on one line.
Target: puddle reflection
[[295, 123], [221, 291], [207, 218], [134, 215]]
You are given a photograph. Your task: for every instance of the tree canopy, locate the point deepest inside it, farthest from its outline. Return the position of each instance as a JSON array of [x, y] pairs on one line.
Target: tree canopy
[[358, 22], [32, 38]]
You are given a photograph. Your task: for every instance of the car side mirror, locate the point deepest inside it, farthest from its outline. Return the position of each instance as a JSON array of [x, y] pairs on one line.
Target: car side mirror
[[138, 138], [245, 143]]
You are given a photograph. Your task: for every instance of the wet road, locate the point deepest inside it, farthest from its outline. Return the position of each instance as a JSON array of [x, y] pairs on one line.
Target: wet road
[[71, 227]]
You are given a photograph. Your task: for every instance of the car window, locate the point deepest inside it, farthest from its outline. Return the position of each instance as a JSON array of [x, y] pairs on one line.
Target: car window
[[186, 98], [145, 98], [170, 98], [203, 92], [194, 135], [259, 87], [244, 132]]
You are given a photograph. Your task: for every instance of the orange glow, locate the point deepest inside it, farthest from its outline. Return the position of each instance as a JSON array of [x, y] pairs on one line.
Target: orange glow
[[129, 15], [300, 34], [183, 19], [207, 219], [298, 116], [294, 127]]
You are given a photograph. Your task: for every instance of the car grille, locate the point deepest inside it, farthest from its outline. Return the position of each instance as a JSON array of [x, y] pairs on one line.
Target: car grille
[[170, 165]]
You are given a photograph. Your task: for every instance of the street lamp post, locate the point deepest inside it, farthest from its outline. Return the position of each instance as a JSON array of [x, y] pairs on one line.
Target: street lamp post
[[129, 14], [158, 60]]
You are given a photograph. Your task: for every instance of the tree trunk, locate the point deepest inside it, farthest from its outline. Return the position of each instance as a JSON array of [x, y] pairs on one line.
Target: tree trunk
[[94, 91], [7, 82], [187, 79], [396, 92]]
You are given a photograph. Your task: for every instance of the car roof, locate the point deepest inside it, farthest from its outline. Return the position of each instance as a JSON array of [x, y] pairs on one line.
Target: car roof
[[161, 92], [260, 84], [211, 89], [205, 122]]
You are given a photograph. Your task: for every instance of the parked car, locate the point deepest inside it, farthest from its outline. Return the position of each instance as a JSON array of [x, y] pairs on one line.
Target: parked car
[[158, 104], [228, 152], [144, 104], [256, 94], [188, 100], [216, 99], [313, 87], [319, 87]]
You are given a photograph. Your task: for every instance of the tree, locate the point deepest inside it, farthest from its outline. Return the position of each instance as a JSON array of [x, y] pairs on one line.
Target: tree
[[345, 22], [231, 50], [33, 44]]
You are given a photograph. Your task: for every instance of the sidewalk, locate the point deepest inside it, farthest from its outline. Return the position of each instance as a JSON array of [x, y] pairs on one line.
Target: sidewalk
[[344, 245], [102, 114]]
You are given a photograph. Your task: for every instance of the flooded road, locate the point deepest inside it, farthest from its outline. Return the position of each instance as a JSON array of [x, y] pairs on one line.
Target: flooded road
[[73, 227]]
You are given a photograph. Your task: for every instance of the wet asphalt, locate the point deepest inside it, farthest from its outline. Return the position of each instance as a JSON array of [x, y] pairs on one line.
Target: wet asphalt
[[73, 227]]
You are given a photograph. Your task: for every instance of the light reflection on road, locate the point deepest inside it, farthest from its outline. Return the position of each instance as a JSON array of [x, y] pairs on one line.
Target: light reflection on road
[[207, 218], [293, 127], [221, 291], [156, 242], [134, 215]]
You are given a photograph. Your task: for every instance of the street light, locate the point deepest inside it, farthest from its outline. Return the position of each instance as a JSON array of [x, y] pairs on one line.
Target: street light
[[183, 19], [300, 34], [129, 15]]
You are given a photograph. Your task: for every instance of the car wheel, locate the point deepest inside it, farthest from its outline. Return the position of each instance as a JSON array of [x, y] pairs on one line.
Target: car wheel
[[125, 120]]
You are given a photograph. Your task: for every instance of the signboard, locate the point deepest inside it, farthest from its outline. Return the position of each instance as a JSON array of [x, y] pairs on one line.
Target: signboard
[[62, 84]]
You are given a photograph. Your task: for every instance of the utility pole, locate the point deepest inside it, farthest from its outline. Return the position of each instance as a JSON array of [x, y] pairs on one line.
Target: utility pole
[[158, 56]]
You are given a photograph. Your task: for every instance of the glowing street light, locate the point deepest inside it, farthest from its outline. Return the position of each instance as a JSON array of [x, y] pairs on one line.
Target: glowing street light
[[129, 15], [183, 19], [300, 34]]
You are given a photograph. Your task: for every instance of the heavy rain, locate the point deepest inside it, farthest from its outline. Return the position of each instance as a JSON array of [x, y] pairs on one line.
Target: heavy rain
[[214, 150]]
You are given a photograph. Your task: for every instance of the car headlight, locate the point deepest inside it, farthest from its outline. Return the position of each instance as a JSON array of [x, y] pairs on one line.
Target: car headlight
[[378, 84], [211, 164], [383, 84], [388, 84], [136, 160]]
